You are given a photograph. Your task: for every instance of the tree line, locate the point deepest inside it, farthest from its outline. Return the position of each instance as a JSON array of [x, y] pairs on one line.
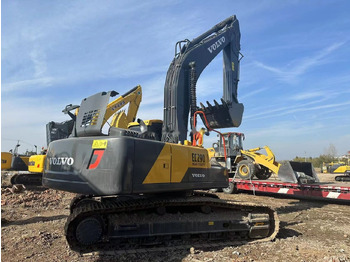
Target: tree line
[[329, 156]]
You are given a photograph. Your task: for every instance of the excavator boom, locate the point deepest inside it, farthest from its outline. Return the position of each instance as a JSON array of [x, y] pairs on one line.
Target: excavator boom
[[120, 119], [133, 97], [191, 57]]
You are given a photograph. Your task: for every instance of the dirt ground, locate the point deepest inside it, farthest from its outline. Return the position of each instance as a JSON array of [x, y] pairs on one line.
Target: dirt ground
[[32, 222]]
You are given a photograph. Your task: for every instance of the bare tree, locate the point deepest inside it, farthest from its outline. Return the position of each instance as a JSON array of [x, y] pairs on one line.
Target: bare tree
[[331, 151]]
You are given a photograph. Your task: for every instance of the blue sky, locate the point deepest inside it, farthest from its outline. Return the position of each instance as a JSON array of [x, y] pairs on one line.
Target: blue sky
[[294, 81]]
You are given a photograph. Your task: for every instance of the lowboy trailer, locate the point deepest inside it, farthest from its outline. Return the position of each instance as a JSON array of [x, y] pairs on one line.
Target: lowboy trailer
[[315, 191]]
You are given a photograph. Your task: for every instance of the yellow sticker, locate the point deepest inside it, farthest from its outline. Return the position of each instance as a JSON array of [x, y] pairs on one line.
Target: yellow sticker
[[211, 223], [99, 144], [259, 224], [233, 66]]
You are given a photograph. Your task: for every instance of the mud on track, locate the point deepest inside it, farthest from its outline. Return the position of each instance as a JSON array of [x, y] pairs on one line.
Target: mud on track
[[33, 221]]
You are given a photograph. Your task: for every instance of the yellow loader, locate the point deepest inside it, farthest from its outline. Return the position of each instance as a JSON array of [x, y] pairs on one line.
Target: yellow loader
[[251, 163]]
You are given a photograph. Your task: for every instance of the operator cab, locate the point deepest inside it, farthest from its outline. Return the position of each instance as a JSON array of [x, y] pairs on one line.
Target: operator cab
[[233, 144]]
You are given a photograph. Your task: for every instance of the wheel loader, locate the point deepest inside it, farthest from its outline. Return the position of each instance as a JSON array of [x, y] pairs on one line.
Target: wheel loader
[[138, 186], [250, 164]]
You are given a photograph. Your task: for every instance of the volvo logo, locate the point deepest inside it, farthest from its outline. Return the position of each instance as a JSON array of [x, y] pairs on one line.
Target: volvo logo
[[216, 45], [58, 161], [198, 175]]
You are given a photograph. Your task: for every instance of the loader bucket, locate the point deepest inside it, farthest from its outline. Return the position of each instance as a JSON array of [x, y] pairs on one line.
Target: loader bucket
[[297, 172], [223, 115]]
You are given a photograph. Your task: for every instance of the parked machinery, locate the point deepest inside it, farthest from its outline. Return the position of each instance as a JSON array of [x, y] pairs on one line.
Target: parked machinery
[[139, 187], [6, 158], [339, 167], [345, 177], [60, 130], [15, 161], [249, 164]]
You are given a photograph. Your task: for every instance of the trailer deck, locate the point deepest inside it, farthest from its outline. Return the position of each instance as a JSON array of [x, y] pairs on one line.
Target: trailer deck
[[320, 191]]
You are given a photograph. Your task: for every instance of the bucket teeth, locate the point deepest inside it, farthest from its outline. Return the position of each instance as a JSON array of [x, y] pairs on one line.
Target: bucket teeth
[[222, 115], [224, 103]]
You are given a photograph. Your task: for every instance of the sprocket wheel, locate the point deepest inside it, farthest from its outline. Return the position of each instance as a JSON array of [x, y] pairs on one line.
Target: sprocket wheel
[[89, 231]]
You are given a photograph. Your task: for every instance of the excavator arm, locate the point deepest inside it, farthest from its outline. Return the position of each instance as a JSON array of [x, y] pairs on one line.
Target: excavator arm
[[191, 57], [90, 118], [121, 119]]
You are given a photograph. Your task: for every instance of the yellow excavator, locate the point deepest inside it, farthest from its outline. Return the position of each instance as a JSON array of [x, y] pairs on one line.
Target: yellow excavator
[[15, 161], [339, 167], [6, 159], [249, 164], [119, 118]]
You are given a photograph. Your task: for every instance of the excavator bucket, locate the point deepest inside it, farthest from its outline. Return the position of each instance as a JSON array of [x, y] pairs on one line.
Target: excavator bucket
[[223, 115], [297, 172]]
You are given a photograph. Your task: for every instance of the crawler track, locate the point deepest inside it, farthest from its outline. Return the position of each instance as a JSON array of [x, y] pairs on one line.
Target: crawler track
[[27, 179], [136, 223], [343, 178]]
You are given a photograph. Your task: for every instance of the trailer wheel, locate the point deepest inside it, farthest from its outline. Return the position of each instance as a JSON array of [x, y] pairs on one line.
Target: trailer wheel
[[245, 169], [229, 189]]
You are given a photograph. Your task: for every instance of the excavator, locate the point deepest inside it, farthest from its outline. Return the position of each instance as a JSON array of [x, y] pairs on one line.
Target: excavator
[[57, 130], [27, 168], [15, 161], [147, 185], [339, 167]]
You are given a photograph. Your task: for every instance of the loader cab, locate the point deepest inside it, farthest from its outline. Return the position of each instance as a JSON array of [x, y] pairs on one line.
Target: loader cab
[[233, 144]]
